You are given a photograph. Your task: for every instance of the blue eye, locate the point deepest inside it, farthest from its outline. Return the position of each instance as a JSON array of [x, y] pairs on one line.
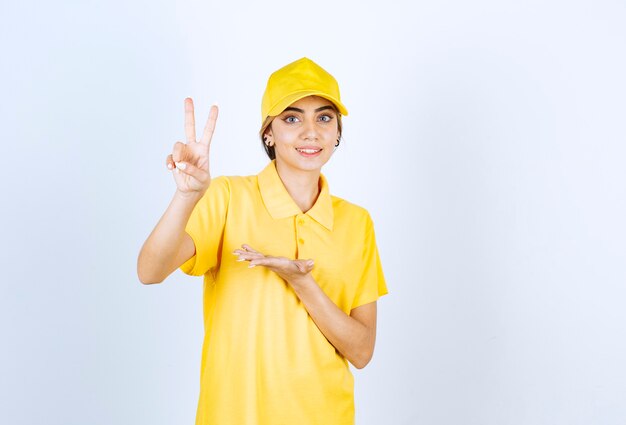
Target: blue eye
[[326, 118], [291, 119]]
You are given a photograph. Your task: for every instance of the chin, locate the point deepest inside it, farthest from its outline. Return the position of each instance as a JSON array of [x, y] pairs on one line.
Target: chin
[[313, 163]]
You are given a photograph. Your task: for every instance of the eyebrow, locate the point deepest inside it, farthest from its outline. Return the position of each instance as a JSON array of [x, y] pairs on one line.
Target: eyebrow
[[321, 108]]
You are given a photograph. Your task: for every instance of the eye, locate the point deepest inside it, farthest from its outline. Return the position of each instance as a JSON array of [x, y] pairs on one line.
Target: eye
[[291, 119], [326, 118]]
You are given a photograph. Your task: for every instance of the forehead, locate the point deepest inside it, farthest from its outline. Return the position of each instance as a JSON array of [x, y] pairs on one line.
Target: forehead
[[312, 102]]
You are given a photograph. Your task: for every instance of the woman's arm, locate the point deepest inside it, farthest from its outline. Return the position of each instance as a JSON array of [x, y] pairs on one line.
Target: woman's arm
[[169, 246], [352, 335]]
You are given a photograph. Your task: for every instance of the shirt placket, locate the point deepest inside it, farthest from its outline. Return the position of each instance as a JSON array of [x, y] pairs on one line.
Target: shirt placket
[[301, 235]]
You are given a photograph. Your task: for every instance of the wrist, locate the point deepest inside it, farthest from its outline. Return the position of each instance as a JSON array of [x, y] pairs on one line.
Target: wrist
[[190, 197], [301, 282]]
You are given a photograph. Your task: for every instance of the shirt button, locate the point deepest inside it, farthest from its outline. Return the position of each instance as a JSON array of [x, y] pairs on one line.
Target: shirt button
[[301, 221], [301, 241]]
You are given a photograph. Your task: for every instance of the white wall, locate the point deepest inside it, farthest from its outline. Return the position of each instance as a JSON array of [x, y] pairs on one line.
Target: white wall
[[486, 138]]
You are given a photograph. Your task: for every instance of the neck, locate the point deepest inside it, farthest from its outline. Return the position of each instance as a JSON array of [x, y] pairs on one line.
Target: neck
[[302, 186]]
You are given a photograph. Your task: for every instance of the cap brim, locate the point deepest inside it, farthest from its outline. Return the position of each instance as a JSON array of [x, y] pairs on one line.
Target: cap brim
[[281, 105]]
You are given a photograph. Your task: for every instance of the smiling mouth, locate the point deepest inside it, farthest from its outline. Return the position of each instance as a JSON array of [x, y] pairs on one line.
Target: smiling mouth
[[308, 151]]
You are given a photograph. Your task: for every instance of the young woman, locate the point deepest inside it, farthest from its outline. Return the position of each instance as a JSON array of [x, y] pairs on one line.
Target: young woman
[[291, 273]]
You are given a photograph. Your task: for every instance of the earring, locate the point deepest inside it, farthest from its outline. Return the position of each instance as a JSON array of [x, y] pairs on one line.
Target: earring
[[267, 143], [337, 144]]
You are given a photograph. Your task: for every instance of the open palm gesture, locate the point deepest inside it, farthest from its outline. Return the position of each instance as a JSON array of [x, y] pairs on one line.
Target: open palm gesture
[[292, 271], [190, 161]]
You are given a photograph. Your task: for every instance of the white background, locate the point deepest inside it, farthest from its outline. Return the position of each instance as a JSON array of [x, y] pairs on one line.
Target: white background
[[486, 138]]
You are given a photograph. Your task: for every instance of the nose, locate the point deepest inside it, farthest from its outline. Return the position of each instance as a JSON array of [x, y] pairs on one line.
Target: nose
[[309, 130]]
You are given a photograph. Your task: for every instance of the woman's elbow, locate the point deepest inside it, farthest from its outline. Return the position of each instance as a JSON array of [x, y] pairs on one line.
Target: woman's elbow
[[147, 279], [152, 268], [360, 364], [146, 275], [362, 359]]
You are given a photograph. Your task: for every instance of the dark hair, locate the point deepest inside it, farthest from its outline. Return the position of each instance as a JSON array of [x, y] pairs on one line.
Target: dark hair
[[269, 150]]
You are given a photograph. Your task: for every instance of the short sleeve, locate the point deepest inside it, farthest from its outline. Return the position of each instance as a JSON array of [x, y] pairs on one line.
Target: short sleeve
[[206, 228], [372, 283]]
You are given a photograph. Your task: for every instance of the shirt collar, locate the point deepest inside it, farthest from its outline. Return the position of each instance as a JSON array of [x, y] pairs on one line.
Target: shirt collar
[[280, 204]]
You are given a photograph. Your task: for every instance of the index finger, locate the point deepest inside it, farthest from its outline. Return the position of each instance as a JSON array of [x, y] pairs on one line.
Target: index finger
[[190, 121], [209, 127]]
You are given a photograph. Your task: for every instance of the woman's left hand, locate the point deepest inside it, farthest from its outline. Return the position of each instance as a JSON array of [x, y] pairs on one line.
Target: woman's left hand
[[293, 271]]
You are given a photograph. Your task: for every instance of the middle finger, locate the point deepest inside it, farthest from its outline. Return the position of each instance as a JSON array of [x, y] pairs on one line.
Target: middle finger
[[247, 255]]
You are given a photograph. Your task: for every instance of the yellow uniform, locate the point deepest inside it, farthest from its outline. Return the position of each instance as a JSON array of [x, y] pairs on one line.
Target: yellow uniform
[[264, 361]]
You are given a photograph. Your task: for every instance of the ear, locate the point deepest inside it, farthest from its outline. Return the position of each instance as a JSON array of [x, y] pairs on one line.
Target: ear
[[268, 136]]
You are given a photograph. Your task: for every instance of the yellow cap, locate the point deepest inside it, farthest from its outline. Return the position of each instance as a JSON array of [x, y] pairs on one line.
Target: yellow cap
[[299, 79]]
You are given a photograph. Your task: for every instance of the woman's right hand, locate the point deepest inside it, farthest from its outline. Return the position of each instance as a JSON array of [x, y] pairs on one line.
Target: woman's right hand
[[190, 161]]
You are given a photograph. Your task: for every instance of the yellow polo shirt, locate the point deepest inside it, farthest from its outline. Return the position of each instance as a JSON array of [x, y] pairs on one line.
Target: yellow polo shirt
[[264, 361]]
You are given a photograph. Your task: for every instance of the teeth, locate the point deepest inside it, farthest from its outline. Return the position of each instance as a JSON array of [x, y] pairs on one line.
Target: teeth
[[308, 150]]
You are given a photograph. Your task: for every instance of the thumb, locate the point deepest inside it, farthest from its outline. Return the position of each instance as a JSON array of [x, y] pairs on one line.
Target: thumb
[[193, 171], [305, 266]]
